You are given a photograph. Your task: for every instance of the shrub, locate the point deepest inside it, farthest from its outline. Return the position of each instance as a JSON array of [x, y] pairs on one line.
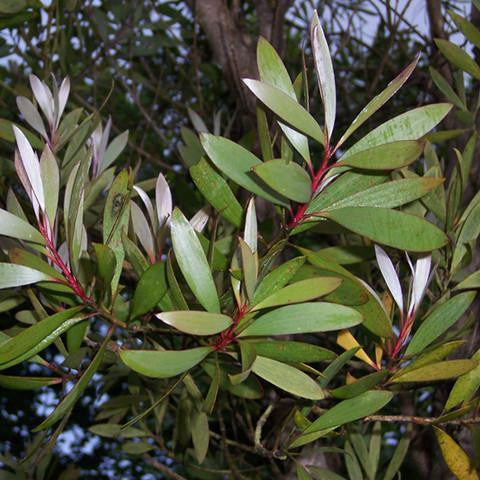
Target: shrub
[[204, 332]]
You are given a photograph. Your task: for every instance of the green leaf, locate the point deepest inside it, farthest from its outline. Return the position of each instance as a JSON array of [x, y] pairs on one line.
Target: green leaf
[[458, 57], [273, 71], [359, 386], [134, 256], [389, 227], [237, 162], [106, 263], [74, 394], [217, 192], [287, 378], [309, 317], [137, 448], [359, 444], [446, 89], [27, 383], [302, 291], [471, 282], [51, 183], [12, 275], [37, 337], [351, 462], [192, 262], [455, 457], [286, 108], [200, 435], [12, 226], [324, 474], [378, 101], [439, 321], [291, 352], [249, 268], [436, 371], [330, 372], [175, 290], [115, 220], [350, 410], [398, 455], [151, 287], [391, 194], [287, 178], [466, 27], [114, 430], [465, 387], [276, 279], [375, 318], [196, 323], [388, 156], [163, 364], [324, 71], [346, 185], [411, 125]]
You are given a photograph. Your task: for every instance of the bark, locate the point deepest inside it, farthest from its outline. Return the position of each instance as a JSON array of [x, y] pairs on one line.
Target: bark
[[233, 48]]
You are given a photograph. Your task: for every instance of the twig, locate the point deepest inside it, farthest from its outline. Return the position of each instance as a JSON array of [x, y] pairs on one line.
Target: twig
[[163, 468], [420, 420]]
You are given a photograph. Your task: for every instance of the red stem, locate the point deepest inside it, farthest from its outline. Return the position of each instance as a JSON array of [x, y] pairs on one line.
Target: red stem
[[316, 179]]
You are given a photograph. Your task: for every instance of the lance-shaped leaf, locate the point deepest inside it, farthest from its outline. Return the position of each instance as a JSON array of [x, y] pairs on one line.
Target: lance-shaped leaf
[[324, 71], [472, 281], [150, 290], [142, 230], [301, 291], [458, 57], [352, 409], [12, 275], [277, 279], [439, 321], [163, 364], [15, 227], [44, 98], [237, 162], [348, 184], [390, 194], [291, 352], [31, 165], [193, 263], [411, 125], [147, 203], [27, 383], [31, 115], [251, 229], [196, 322], [455, 457], [465, 387], [388, 156], [378, 101], [37, 337], [273, 71], [217, 192], [420, 280], [388, 227], [287, 378], [74, 394], [51, 182], [114, 150], [286, 108], [115, 220], [359, 386], [390, 276], [287, 178], [436, 371], [304, 318], [163, 200], [398, 455]]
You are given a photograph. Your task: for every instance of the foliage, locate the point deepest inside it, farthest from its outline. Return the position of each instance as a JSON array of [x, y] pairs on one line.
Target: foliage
[[204, 330]]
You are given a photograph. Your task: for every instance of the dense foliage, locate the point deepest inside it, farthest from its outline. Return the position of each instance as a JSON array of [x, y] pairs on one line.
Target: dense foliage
[[317, 303]]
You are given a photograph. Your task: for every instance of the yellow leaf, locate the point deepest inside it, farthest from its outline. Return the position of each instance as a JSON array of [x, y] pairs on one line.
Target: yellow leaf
[[349, 378], [455, 457], [347, 341], [378, 354]]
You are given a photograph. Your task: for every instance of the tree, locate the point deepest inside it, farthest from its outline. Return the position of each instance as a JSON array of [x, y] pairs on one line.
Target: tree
[[217, 341]]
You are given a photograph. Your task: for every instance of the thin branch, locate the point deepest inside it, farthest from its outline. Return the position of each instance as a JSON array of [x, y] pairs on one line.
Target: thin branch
[[163, 468], [420, 420]]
